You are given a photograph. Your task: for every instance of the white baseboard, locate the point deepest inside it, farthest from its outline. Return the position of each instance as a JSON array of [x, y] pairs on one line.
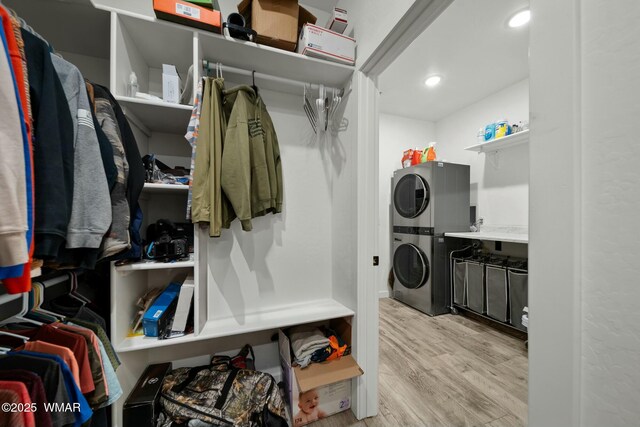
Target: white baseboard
[[383, 294]]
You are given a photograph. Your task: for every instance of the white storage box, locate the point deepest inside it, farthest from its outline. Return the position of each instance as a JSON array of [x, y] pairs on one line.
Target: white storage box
[[338, 21], [322, 43]]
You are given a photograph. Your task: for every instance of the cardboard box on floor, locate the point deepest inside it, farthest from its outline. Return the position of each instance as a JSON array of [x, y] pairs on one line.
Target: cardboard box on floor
[[329, 382], [277, 22]]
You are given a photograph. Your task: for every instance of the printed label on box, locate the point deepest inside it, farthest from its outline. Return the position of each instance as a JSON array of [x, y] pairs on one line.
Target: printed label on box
[[189, 11]]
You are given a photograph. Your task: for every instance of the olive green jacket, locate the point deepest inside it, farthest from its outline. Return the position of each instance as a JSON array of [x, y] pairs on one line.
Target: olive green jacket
[[251, 166]]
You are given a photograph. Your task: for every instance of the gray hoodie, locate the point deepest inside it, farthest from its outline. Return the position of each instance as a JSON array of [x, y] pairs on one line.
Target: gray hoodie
[[91, 208]]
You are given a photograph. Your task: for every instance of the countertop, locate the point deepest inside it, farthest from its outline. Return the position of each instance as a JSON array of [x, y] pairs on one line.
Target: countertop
[[496, 234]]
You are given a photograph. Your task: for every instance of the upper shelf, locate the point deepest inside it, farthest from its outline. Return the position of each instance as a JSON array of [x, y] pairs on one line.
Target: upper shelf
[[282, 317], [500, 143], [165, 188], [152, 37], [158, 116]]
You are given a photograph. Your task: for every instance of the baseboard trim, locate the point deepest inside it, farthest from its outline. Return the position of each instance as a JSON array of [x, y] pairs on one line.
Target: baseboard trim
[[383, 294]]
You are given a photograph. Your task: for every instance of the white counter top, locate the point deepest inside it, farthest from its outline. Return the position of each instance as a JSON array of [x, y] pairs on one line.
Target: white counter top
[[509, 235]]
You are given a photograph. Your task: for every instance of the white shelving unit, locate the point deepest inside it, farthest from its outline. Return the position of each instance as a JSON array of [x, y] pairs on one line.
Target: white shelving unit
[[271, 319], [501, 143], [226, 308], [157, 116], [164, 188]]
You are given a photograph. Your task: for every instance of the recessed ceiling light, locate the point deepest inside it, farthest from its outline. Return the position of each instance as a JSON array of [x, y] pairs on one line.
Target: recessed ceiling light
[[520, 19], [433, 81]]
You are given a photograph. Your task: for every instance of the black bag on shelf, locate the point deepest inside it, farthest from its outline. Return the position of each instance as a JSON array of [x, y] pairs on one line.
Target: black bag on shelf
[[223, 394]]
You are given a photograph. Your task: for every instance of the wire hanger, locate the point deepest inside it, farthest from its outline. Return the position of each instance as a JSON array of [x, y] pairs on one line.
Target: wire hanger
[[253, 79]]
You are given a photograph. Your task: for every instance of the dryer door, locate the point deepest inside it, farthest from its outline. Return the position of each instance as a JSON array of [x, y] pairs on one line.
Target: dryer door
[[411, 195], [410, 266]]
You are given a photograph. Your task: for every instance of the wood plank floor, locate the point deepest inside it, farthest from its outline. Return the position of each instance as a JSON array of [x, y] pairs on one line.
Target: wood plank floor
[[444, 371]]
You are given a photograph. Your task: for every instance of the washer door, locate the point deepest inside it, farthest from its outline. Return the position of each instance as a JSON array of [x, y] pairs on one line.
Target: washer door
[[411, 195], [410, 266]]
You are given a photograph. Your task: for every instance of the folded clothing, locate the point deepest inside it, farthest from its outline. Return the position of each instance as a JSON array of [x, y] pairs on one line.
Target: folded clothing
[[306, 340]]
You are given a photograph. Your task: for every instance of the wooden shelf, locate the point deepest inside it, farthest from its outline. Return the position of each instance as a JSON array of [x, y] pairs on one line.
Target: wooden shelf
[[165, 188], [273, 318], [501, 143], [155, 265], [158, 116]]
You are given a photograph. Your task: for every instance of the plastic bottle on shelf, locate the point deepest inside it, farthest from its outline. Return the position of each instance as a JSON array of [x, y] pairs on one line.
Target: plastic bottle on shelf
[[480, 136], [490, 131], [132, 88], [502, 128]]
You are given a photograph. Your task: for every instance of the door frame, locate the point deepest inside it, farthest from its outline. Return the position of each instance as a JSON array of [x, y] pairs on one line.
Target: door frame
[[419, 16], [555, 210]]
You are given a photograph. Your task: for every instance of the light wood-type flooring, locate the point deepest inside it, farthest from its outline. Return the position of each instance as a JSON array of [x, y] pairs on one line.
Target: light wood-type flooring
[[444, 371]]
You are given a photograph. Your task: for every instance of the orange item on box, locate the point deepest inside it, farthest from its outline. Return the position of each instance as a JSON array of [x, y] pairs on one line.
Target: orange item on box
[[431, 154], [188, 14], [407, 155], [417, 157]]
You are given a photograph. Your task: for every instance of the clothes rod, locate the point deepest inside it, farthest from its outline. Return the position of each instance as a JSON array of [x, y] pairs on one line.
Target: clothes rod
[[212, 66]]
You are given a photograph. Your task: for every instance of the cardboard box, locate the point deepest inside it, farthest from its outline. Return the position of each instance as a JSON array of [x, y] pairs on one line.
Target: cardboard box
[[142, 407], [338, 21], [325, 388], [170, 84], [158, 316], [277, 22], [322, 43], [185, 13]]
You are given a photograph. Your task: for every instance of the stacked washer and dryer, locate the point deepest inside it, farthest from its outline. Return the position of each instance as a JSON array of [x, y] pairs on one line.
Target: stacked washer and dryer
[[429, 200]]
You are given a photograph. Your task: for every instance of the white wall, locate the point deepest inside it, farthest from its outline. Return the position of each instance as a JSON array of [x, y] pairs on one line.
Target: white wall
[[585, 339], [92, 68], [371, 21], [610, 206], [611, 202], [499, 182], [286, 258], [396, 135]]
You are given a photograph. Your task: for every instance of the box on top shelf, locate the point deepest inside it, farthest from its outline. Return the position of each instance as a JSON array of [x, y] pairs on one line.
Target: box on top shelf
[[277, 22], [185, 13], [322, 43], [320, 389], [338, 21]]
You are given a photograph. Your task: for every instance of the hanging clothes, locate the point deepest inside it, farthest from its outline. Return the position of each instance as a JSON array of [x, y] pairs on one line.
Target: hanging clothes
[[13, 210], [208, 204], [74, 394], [117, 238], [35, 387], [51, 374], [247, 175], [90, 213], [12, 41], [53, 150]]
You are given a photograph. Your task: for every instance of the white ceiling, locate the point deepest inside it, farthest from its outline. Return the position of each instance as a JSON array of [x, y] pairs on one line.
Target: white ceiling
[[471, 46]]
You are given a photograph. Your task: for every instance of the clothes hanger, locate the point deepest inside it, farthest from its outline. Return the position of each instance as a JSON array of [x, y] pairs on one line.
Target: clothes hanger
[[74, 293], [253, 79], [9, 334]]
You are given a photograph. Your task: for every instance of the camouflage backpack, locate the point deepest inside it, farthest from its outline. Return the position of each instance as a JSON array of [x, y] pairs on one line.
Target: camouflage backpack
[[223, 395]]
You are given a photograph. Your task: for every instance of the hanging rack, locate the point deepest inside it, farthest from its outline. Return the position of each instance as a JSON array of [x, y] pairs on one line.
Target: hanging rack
[[319, 112], [212, 66]]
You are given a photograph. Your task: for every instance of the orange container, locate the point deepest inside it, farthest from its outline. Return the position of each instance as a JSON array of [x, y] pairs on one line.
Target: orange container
[[188, 14]]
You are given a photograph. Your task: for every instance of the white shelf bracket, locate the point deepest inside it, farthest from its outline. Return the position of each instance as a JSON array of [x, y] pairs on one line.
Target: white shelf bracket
[[494, 159]]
